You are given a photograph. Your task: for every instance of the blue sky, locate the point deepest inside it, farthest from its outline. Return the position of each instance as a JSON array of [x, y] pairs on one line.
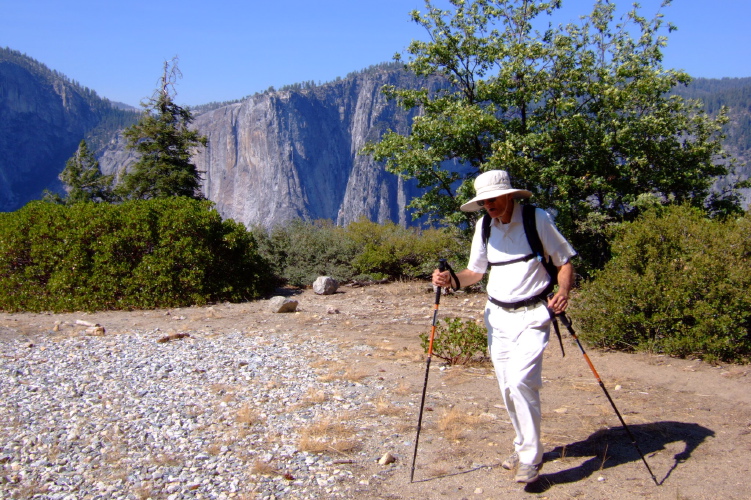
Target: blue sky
[[229, 49]]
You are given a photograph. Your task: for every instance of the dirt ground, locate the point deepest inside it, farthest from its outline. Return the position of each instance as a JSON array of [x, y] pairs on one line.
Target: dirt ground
[[691, 420]]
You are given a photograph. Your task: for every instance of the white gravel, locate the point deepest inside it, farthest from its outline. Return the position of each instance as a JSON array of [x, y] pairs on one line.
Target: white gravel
[[207, 416]]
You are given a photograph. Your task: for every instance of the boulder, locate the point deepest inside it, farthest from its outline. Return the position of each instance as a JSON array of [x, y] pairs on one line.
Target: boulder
[[325, 285], [281, 304]]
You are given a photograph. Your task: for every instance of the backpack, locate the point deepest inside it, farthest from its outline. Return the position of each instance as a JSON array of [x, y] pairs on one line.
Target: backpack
[[533, 238]]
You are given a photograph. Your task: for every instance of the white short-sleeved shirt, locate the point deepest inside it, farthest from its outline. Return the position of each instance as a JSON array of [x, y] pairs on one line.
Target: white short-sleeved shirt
[[524, 279]]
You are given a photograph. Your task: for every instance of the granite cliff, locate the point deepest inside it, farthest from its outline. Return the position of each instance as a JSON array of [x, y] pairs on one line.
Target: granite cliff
[[291, 154], [295, 154], [43, 117]]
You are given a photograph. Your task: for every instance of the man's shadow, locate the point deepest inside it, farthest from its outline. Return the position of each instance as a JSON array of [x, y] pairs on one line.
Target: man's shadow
[[613, 447]]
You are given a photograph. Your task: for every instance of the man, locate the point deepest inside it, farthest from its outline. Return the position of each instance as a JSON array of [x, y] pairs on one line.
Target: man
[[516, 314]]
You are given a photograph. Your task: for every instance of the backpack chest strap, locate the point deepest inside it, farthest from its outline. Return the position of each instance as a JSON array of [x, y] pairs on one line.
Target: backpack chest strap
[[513, 261]]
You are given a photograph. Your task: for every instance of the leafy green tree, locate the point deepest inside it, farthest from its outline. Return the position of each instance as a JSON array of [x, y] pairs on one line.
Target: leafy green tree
[[165, 143], [580, 114], [83, 180]]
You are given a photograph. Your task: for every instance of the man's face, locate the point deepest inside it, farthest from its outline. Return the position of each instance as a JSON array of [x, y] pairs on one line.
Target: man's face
[[502, 206]]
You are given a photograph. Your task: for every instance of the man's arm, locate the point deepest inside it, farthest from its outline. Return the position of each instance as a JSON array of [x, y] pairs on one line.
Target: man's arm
[[559, 302], [466, 278]]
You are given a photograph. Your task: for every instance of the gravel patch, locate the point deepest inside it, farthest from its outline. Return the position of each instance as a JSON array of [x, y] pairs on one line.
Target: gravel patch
[[204, 416]]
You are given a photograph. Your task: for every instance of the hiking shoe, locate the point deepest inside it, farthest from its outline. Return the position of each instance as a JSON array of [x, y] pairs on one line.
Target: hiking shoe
[[527, 473], [511, 462]]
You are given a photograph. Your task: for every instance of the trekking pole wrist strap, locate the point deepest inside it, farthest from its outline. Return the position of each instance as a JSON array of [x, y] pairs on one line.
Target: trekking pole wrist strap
[[454, 278]]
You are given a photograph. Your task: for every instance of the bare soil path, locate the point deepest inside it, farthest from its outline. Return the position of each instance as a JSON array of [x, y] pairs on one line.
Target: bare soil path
[[691, 420]]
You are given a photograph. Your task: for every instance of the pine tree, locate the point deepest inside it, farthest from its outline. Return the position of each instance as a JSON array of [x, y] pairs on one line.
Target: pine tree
[[83, 180], [165, 143]]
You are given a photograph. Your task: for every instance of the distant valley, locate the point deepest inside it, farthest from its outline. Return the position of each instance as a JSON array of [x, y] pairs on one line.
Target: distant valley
[[271, 157]]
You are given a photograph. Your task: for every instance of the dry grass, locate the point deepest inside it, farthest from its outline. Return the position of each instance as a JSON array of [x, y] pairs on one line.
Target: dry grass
[[220, 389], [410, 355], [246, 416], [145, 490], [264, 468], [114, 455], [340, 371], [385, 408], [214, 449], [166, 460], [354, 374], [455, 423], [314, 396], [328, 435], [310, 398], [456, 374], [273, 384], [403, 389], [438, 472], [403, 425]]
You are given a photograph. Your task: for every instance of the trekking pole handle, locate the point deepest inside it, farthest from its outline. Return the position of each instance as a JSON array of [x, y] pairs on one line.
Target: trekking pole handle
[[442, 264]]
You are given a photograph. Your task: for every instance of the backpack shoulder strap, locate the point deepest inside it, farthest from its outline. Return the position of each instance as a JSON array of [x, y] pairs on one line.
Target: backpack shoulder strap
[[486, 220], [533, 238], [530, 230]]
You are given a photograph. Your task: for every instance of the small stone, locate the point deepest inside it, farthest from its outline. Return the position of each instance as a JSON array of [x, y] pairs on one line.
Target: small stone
[[387, 458], [96, 331]]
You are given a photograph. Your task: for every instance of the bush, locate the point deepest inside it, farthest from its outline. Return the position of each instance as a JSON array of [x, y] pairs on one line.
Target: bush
[[458, 342], [389, 250], [142, 254], [302, 251], [677, 284]]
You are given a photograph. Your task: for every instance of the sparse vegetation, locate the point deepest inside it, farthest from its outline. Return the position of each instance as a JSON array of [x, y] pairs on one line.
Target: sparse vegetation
[[455, 423], [328, 435], [457, 341]]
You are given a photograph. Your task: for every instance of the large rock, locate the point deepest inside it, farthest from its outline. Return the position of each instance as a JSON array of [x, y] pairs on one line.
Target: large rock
[[281, 304], [325, 285], [44, 117]]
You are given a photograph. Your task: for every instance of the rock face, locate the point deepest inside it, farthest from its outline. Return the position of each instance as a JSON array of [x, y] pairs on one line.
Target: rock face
[[43, 117], [285, 155], [51, 116], [294, 154]]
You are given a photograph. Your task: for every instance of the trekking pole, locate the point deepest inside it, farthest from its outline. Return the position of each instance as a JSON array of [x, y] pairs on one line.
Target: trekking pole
[[441, 267], [567, 324]]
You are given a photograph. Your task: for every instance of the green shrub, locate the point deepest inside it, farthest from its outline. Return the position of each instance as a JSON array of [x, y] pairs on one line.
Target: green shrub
[[141, 254], [392, 251], [301, 251], [458, 342], [678, 284]]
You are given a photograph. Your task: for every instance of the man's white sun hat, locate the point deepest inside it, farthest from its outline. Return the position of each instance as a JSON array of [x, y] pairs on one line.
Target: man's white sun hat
[[492, 184]]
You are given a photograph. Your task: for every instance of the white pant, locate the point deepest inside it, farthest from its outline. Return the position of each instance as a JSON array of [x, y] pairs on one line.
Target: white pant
[[516, 341]]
